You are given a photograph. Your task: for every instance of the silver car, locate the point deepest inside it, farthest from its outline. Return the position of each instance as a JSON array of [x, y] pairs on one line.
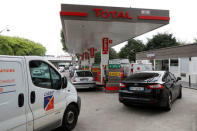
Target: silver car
[[83, 79]]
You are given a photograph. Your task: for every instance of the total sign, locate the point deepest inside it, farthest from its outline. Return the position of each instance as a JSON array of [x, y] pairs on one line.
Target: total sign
[[105, 45], [114, 14], [105, 50], [92, 54]]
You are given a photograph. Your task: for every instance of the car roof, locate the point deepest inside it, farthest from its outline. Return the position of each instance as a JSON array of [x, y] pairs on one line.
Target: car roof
[[155, 71], [24, 57], [159, 72], [81, 70]]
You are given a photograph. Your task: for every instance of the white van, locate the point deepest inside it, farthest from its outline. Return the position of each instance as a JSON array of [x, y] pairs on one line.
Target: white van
[[34, 96], [138, 67]]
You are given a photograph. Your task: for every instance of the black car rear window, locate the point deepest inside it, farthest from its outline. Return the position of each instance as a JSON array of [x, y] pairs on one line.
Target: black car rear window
[[84, 74], [142, 76]]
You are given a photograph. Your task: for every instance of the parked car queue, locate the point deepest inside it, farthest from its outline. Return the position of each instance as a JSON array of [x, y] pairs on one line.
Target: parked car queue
[[35, 96], [155, 88]]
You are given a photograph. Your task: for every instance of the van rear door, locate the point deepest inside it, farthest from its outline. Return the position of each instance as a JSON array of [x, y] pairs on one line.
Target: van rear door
[[13, 95]]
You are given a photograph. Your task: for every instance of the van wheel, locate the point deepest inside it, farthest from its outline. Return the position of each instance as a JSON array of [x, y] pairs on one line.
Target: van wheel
[[70, 118], [169, 103]]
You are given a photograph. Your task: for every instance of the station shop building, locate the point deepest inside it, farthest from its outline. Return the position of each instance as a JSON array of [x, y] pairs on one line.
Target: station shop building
[[180, 60]]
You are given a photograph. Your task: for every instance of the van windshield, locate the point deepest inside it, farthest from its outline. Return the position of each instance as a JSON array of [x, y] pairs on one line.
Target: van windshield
[[84, 74], [143, 77]]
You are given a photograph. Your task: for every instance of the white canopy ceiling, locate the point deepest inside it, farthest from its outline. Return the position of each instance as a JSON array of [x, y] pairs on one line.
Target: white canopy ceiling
[[83, 32]]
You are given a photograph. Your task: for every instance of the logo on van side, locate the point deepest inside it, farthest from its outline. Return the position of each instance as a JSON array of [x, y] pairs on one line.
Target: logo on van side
[[1, 90], [48, 101]]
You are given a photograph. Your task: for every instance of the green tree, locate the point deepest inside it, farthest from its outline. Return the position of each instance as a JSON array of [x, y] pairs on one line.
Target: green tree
[[130, 49], [63, 41], [98, 57], [112, 55], [20, 46], [161, 41], [195, 41]]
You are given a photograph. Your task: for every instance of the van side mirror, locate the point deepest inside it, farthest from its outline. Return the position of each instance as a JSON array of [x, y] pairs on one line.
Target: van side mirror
[[178, 79], [65, 82]]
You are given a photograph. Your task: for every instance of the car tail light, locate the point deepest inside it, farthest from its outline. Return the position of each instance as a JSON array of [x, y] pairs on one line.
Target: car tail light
[[122, 85], [155, 86], [74, 79], [91, 79]]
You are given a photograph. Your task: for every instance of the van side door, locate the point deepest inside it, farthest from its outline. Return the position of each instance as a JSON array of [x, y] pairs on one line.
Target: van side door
[[13, 95], [45, 95]]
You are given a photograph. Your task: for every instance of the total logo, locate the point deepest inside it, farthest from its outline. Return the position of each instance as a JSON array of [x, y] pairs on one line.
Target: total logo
[[48, 101], [113, 14]]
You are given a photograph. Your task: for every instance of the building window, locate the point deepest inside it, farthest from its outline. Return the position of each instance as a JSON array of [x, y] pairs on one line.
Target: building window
[[174, 62]]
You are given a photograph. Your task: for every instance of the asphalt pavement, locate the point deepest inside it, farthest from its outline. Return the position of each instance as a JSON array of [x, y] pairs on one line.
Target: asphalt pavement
[[102, 112]]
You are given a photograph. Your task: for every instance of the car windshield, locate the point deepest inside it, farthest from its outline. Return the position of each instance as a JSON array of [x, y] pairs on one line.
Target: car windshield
[[143, 77], [84, 74]]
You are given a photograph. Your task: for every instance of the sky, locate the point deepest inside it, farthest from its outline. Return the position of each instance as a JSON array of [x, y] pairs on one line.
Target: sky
[[39, 20]]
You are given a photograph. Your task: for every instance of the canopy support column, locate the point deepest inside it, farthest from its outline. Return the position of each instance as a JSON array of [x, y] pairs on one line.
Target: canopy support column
[[92, 56], [104, 57], [86, 60], [83, 60]]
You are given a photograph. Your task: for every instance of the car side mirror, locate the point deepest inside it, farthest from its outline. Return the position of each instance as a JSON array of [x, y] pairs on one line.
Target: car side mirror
[[178, 79], [65, 82]]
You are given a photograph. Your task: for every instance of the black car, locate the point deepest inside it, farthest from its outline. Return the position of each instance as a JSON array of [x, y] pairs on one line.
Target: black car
[[159, 88]]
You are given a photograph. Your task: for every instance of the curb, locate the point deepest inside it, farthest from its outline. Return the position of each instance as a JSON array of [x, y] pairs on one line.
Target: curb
[[191, 88]]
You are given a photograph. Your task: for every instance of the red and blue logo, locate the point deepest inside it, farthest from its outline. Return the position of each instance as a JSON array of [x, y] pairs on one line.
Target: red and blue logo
[[48, 102]]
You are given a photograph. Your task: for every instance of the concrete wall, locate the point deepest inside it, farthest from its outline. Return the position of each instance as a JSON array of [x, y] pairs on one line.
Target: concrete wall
[[193, 70]]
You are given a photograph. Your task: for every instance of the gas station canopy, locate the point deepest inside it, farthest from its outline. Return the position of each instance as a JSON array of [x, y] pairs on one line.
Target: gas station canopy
[[84, 26]]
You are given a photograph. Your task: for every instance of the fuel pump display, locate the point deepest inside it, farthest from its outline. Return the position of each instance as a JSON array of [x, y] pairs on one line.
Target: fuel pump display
[[96, 72], [114, 77]]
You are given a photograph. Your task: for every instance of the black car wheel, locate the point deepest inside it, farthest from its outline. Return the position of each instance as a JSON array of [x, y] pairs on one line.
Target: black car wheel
[[169, 102], [180, 94], [126, 104], [70, 118]]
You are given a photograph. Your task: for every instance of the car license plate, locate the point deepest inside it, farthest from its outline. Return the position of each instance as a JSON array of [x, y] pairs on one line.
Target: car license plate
[[84, 79], [136, 88]]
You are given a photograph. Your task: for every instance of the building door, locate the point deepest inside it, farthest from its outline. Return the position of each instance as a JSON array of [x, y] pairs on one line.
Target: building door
[[162, 65], [165, 65], [184, 69]]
